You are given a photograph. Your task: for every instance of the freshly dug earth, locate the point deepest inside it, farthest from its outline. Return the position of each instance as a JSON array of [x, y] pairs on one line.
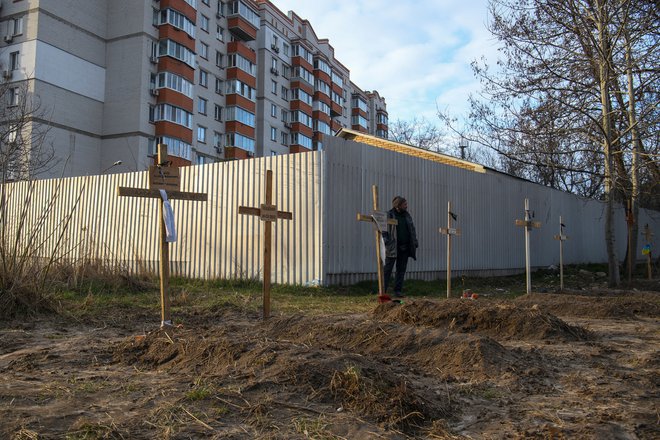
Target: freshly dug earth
[[541, 366]]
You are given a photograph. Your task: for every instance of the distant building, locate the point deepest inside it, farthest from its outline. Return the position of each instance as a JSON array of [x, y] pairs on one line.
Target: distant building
[[213, 80]]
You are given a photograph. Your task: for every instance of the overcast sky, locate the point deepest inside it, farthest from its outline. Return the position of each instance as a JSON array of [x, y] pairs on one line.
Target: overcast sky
[[416, 53]]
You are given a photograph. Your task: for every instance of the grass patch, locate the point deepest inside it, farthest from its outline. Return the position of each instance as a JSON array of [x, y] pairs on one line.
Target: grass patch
[[187, 295]]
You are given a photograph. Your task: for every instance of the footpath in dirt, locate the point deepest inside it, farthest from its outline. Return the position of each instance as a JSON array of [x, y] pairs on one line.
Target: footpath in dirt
[[579, 365]]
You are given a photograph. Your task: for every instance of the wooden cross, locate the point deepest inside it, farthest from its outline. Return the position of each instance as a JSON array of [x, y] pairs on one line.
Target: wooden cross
[[528, 224], [449, 231], [561, 237], [162, 176], [380, 222], [648, 235], [267, 213]]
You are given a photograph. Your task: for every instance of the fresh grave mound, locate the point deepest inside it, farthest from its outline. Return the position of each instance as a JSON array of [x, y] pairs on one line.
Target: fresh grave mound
[[496, 319], [289, 372], [428, 350], [646, 304]]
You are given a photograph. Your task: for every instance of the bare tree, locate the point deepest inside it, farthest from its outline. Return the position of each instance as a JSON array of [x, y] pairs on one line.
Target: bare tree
[[573, 101], [418, 132]]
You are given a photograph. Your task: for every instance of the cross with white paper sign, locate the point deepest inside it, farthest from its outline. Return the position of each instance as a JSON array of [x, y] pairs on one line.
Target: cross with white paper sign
[[268, 214], [380, 221], [163, 176], [528, 224], [449, 231]]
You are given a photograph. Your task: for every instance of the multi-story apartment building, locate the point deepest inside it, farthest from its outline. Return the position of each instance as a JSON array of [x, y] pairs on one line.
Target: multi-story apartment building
[[214, 80]]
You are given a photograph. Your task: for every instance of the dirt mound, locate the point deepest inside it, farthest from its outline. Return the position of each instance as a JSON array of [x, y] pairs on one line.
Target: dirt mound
[[431, 351], [496, 319], [328, 377], [596, 304]]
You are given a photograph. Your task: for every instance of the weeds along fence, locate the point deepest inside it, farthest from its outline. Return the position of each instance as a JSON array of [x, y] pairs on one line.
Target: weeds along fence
[[324, 243], [214, 240]]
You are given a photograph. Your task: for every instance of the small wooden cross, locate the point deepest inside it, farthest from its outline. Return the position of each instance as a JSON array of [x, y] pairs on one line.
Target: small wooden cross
[[648, 235], [380, 221], [528, 224], [267, 213], [449, 231], [162, 176], [561, 237]]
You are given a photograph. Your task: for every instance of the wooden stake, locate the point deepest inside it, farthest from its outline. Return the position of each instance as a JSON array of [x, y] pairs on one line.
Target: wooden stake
[[380, 221], [528, 224], [631, 256], [449, 231], [267, 213], [561, 237], [161, 177]]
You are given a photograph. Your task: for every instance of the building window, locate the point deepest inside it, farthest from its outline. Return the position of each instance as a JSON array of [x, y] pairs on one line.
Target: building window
[[237, 60], [220, 33], [204, 23], [14, 93], [273, 87], [284, 93], [204, 50], [241, 115], [217, 139], [14, 60], [273, 110], [285, 115], [177, 51], [174, 82], [201, 105], [167, 112], [285, 138], [16, 26], [285, 48], [286, 71], [219, 59], [238, 140], [238, 87], [203, 78], [273, 134], [176, 19], [218, 86], [273, 63], [201, 134], [217, 113]]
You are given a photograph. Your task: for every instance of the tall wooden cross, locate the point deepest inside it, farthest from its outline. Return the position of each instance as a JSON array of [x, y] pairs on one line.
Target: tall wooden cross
[[380, 221], [528, 225], [267, 213], [163, 176], [648, 235], [561, 237], [449, 231]]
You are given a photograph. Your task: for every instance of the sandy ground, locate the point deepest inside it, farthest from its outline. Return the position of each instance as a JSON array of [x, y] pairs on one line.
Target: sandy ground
[[548, 366]]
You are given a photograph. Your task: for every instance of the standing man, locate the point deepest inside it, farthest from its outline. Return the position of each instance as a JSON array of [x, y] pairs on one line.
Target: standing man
[[400, 242]]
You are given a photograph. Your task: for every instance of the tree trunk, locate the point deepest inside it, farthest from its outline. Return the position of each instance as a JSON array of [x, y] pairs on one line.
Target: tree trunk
[[604, 74], [634, 167]]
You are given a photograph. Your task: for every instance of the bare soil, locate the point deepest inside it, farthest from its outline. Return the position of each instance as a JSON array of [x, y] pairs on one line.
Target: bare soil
[[582, 364]]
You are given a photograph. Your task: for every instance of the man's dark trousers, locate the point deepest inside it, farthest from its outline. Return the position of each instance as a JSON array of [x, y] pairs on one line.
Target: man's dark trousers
[[401, 260]]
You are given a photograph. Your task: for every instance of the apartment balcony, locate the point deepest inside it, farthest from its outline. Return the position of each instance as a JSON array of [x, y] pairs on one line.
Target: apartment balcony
[[242, 49], [237, 153], [335, 109], [242, 28]]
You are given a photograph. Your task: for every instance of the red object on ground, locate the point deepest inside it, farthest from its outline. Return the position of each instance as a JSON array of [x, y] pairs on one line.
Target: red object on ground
[[384, 299]]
